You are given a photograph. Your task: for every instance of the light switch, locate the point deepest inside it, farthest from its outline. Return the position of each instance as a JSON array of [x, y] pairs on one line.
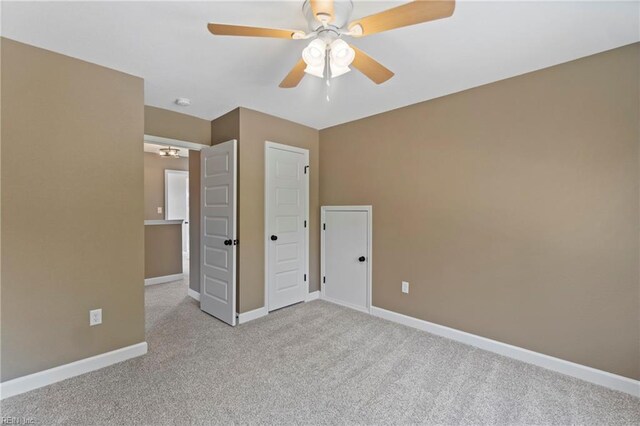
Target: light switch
[[405, 287]]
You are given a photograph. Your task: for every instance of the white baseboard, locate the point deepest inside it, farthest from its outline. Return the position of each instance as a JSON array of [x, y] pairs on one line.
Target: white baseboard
[[346, 305], [312, 296], [193, 294], [163, 279], [43, 378], [599, 377], [251, 315]]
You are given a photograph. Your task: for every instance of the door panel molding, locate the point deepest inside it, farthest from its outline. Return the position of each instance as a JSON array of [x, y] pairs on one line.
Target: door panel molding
[[218, 225], [323, 219], [305, 173]]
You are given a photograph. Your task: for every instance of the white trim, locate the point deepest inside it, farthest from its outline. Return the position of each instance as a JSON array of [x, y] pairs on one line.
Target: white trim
[[599, 377], [251, 315], [159, 140], [162, 222], [369, 211], [305, 152], [193, 294], [346, 304], [314, 295], [163, 279], [43, 378]]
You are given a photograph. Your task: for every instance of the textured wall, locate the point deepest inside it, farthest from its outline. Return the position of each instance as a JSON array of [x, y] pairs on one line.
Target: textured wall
[[162, 250], [72, 209], [173, 125], [511, 208]]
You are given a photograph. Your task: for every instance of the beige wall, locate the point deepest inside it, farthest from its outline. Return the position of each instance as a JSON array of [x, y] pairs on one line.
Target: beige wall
[[255, 129], [512, 208], [162, 243], [173, 125], [72, 209], [226, 127], [154, 167], [162, 250], [194, 220]]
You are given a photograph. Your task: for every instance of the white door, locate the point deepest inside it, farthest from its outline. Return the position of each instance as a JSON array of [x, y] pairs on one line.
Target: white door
[[218, 231], [346, 256], [286, 223], [176, 195]]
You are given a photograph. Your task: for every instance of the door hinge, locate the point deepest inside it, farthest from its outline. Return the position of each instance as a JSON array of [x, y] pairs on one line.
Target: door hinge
[[235, 242], [305, 169], [324, 280], [305, 223], [324, 226], [305, 277]]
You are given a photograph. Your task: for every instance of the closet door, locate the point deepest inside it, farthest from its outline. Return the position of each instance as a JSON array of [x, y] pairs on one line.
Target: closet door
[[346, 255], [286, 219]]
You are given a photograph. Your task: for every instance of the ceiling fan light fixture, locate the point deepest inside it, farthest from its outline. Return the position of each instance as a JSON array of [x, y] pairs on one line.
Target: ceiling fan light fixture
[[317, 71], [341, 54], [337, 70], [313, 55]]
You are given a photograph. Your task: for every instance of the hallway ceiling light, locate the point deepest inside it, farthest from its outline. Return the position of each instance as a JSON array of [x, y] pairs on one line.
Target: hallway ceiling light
[[169, 152]]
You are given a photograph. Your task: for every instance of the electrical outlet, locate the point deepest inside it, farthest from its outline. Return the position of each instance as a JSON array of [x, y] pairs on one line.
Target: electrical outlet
[[405, 287], [95, 317], [159, 210]]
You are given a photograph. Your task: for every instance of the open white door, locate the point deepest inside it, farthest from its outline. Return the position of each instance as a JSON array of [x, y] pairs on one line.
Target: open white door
[[218, 231]]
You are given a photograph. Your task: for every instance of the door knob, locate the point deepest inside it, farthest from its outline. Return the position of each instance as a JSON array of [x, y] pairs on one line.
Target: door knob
[[274, 237], [362, 258], [228, 242]]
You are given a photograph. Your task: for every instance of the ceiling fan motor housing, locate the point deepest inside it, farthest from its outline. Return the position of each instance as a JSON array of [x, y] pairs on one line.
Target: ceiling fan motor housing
[[341, 15]]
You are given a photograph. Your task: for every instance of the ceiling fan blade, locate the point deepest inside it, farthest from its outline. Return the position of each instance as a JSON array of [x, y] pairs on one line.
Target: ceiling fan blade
[[412, 13], [239, 30], [323, 10], [295, 75], [368, 66]]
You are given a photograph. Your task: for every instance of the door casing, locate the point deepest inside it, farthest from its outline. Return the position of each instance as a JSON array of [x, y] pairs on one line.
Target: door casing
[[270, 145], [369, 211]]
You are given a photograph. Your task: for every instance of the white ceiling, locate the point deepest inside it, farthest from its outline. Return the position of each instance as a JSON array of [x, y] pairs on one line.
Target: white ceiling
[[167, 43]]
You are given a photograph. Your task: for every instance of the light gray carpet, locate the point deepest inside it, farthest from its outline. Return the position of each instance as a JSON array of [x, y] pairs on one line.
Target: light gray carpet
[[314, 363]]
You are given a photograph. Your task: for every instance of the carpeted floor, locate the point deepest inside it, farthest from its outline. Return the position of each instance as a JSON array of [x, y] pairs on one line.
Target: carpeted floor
[[313, 363]]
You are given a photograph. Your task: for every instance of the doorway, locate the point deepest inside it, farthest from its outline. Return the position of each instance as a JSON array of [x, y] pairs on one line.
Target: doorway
[[286, 225], [176, 201], [345, 248]]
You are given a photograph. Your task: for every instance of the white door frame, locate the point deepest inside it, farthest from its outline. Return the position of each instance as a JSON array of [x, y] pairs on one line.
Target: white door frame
[[168, 172], [369, 211], [305, 152]]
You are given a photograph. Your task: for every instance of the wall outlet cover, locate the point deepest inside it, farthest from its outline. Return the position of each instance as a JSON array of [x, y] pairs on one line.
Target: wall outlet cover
[[405, 287], [95, 317], [159, 210]]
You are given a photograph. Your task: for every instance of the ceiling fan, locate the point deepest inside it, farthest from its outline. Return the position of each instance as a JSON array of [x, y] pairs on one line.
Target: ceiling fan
[[328, 55]]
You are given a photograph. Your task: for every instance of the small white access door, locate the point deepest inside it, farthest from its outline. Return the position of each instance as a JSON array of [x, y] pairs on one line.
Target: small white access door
[[218, 231], [286, 225], [346, 256]]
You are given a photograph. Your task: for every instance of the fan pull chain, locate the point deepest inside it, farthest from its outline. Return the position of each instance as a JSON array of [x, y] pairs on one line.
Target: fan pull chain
[[327, 75]]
